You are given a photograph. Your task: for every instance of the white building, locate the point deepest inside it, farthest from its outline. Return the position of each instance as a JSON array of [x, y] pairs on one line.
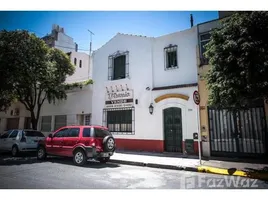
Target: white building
[[75, 110], [58, 39], [131, 73]]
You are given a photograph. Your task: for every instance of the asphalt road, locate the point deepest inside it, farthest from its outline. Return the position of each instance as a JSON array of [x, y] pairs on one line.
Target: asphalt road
[[60, 173]]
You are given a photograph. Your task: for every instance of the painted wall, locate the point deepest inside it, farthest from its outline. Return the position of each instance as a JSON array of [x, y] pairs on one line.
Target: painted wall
[[186, 49], [81, 73], [64, 43], [145, 62]]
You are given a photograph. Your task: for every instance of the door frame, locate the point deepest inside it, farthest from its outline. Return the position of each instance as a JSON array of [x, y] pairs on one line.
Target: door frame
[[163, 121], [183, 117]]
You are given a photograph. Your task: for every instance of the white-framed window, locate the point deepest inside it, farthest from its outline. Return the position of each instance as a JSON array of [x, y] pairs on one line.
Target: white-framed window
[[118, 65], [171, 57], [46, 123], [60, 121]]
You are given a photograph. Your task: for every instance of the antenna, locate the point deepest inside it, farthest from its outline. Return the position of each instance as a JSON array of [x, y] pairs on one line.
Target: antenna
[[90, 49]]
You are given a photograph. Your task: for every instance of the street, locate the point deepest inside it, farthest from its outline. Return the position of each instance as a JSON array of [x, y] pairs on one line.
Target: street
[[59, 173]]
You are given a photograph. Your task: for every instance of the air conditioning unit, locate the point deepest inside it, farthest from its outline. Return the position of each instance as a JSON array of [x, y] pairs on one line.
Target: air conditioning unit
[[16, 112]]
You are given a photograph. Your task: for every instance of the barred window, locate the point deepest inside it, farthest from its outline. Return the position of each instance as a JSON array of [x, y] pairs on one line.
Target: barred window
[[119, 121], [171, 58], [118, 65], [60, 121], [46, 123], [87, 120]]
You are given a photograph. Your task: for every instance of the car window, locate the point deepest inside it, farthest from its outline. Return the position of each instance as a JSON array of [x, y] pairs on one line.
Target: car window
[[5, 135], [14, 134], [74, 132], [33, 134], [61, 133], [86, 132], [101, 133]]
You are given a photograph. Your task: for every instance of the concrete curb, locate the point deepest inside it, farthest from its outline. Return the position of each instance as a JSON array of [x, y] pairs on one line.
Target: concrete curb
[[201, 169]]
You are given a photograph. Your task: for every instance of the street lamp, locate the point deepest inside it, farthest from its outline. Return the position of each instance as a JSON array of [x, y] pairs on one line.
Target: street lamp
[[151, 109]]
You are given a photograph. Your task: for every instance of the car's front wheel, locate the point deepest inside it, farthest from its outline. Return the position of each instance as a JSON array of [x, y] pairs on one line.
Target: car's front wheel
[[41, 153], [79, 157], [104, 160], [15, 151]]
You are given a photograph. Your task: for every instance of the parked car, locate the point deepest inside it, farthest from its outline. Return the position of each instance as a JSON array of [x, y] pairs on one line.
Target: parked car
[[18, 141], [80, 142]]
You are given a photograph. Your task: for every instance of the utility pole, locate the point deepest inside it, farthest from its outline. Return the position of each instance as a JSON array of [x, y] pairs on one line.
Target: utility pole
[[90, 49]]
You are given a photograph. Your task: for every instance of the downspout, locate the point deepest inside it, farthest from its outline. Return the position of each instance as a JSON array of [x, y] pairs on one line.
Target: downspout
[[152, 61]]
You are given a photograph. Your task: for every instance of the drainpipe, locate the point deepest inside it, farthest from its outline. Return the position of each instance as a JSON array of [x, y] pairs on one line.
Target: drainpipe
[[152, 60]]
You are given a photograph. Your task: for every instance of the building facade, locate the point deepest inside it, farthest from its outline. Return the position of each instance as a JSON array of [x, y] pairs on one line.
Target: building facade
[[58, 39], [143, 91], [75, 110], [224, 132]]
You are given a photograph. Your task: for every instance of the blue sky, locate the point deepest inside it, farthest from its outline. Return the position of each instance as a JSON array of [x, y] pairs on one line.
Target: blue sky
[[104, 24]]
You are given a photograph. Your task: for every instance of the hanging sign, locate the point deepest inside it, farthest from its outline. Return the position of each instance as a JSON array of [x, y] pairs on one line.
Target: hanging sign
[[119, 99]]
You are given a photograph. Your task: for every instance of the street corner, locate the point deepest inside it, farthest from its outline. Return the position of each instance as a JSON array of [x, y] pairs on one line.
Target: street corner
[[261, 174]]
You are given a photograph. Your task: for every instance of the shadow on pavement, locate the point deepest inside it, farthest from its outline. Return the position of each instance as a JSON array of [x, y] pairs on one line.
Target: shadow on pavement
[[30, 158], [190, 156]]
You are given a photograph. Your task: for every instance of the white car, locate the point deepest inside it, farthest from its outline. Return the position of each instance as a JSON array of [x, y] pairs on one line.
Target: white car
[[20, 141]]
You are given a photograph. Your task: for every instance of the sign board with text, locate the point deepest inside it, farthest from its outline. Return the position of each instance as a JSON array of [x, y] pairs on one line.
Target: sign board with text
[[119, 99]]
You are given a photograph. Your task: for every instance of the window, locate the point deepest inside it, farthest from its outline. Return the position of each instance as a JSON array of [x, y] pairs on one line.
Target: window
[[5, 135], [204, 39], [73, 132], [119, 121], [33, 134], [87, 120], [62, 133], [75, 61], [46, 123], [100, 133], [118, 66], [80, 63], [60, 121], [14, 134], [171, 61], [87, 132]]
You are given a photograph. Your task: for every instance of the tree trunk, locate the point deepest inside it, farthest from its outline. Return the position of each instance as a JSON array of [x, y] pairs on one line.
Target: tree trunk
[[34, 121]]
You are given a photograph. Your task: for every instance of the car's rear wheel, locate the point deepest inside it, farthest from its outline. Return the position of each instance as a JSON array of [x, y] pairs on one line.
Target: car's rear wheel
[[109, 144], [41, 153], [15, 151], [104, 160], [79, 157]]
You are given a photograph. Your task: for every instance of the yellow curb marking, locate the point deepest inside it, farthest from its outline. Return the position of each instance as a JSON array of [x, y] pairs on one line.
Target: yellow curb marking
[[225, 172]]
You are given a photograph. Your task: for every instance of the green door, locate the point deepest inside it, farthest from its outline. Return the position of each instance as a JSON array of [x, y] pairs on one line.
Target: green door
[[172, 130]]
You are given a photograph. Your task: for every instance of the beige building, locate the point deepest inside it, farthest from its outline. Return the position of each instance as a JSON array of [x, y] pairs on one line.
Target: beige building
[[224, 132]]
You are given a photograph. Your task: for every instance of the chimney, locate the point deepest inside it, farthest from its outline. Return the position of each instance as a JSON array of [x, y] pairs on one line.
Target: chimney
[[191, 20]]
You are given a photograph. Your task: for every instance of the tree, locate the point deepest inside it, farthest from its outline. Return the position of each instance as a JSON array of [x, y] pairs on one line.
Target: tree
[[31, 72], [238, 55]]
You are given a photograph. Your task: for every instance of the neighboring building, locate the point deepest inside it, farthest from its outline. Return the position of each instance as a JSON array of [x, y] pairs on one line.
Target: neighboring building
[[58, 39], [75, 110], [224, 132], [136, 75]]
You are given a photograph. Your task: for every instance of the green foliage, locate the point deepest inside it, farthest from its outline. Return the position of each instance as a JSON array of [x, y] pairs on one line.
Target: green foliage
[[238, 55], [31, 72], [71, 86]]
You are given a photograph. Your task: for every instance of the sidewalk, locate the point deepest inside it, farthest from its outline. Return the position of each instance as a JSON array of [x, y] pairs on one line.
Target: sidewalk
[[191, 163]]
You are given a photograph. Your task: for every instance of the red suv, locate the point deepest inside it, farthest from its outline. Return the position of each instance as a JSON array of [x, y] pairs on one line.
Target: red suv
[[79, 142]]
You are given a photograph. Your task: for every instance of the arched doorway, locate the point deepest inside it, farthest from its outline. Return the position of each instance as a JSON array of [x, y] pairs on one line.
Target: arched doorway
[[172, 129]]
